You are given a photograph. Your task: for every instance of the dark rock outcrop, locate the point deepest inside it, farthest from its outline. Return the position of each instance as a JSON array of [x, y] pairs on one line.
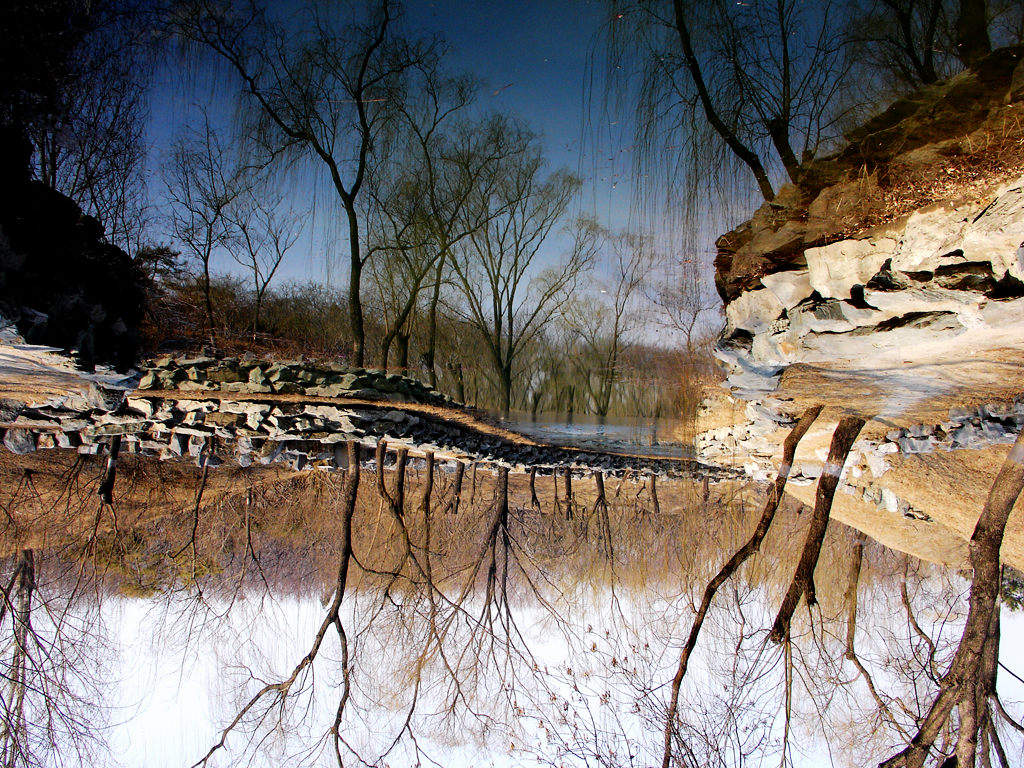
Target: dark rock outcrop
[[61, 283]]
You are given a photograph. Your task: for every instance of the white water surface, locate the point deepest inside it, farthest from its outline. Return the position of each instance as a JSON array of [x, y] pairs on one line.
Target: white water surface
[[180, 676]]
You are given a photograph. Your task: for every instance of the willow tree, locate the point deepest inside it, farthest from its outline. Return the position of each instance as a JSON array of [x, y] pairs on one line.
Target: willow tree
[[421, 204], [748, 87]]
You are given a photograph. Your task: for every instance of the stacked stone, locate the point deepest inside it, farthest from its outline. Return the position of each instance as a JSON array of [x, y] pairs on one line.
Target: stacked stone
[[986, 425], [302, 434], [750, 439], [52, 426], [209, 374]]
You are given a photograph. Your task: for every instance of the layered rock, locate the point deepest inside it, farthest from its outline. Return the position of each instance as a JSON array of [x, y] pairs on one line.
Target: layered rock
[[890, 283], [953, 271], [948, 140]]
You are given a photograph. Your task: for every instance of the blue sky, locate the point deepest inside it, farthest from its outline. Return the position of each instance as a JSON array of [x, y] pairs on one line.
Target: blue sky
[[534, 58]]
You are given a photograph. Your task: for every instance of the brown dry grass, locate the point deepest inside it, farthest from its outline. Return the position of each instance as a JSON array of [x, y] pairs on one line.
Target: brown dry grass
[[960, 169], [953, 172], [282, 527]]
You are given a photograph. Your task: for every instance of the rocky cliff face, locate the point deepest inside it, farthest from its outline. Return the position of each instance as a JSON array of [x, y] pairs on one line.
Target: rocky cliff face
[[957, 139], [890, 283], [948, 276], [911, 234]]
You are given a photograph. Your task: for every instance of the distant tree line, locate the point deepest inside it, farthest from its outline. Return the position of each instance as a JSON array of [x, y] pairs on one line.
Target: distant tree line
[[561, 370]]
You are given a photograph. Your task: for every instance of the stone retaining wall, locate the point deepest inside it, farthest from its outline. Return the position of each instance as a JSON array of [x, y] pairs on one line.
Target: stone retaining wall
[[241, 375], [252, 412]]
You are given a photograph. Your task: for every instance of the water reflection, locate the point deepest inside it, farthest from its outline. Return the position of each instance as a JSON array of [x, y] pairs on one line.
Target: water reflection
[[494, 633], [652, 436]]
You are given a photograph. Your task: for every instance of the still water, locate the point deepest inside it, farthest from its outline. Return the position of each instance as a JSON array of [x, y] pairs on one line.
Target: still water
[[650, 436]]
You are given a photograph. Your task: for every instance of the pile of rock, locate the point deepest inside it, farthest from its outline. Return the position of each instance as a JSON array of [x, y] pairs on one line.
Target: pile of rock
[[252, 376], [748, 443], [305, 435], [990, 424]]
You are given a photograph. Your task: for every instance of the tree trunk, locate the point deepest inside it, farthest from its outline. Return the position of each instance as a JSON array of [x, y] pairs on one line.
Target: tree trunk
[[209, 303], [106, 489], [428, 485], [778, 130], [460, 382], [401, 460], [972, 41], [403, 353], [749, 158], [460, 473], [984, 557], [803, 580], [256, 314], [385, 350], [654, 495], [12, 735], [429, 356], [395, 500], [506, 392], [739, 557], [355, 279]]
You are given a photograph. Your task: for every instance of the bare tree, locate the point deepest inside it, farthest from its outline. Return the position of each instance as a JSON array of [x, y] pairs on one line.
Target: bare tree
[[203, 185], [506, 295], [324, 90], [80, 96], [264, 231], [764, 77], [422, 205], [903, 38], [684, 301], [52, 660], [605, 323], [969, 682]]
